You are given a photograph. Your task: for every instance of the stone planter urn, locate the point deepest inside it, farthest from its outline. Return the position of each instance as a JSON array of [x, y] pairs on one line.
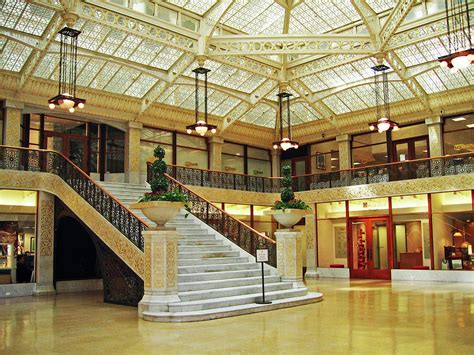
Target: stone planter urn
[[159, 212], [288, 217]]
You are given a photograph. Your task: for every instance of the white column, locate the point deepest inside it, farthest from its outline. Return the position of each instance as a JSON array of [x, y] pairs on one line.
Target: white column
[[311, 247], [132, 153], [12, 123], [161, 271], [289, 256], [44, 271], [215, 152], [435, 135], [276, 163], [344, 143]]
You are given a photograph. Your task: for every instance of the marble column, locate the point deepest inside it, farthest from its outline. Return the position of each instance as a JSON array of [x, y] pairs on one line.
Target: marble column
[[435, 135], [44, 272], [12, 123], [132, 153], [289, 256], [276, 163], [161, 271], [311, 247], [345, 159], [215, 152]]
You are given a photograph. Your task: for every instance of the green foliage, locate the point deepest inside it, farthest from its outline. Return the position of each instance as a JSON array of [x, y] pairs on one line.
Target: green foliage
[[174, 196], [287, 196], [159, 183]]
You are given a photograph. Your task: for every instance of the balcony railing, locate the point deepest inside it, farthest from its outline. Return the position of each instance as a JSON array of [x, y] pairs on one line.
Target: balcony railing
[[23, 159], [405, 170], [236, 231]]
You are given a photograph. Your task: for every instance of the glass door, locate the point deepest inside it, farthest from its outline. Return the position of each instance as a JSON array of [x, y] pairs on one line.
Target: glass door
[[370, 255], [409, 149], [73, 147]]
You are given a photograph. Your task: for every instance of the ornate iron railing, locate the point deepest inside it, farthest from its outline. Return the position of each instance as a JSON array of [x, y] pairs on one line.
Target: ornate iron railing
[[406, 170], [221, 179], [236, 231], [399, 171], [16, 158]]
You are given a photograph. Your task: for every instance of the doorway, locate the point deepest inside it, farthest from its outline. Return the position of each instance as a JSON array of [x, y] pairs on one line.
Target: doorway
[[74, 147], [370, 254], [410, 149]]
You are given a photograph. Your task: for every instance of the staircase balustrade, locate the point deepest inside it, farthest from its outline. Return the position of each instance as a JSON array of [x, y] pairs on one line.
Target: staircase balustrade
[[24, 159], [236, 231], [399, 171]]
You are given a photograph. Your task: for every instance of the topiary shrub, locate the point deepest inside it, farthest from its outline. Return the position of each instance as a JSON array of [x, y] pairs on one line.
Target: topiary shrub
[[159, 183], [287, 195]]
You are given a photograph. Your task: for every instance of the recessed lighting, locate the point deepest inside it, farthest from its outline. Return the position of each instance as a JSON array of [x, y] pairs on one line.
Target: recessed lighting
[[425, 150], [471, 125], [334, 159], [457, 119], [356, 163]]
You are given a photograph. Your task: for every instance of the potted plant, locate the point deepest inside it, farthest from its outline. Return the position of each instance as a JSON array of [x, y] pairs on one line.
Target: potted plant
[[160, 205], [289, 210]]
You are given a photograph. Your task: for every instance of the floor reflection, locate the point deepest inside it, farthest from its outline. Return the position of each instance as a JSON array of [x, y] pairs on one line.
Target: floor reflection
[[356, 316]]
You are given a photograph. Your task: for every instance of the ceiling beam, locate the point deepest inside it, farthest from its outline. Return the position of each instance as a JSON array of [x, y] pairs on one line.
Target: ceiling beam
[[124, 20], [174, 73], [396, 17], [290, 44], [397, 65], [370, 19], [210, 21]]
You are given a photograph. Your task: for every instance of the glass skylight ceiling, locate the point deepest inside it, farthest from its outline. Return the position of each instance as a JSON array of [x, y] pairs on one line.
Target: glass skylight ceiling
[[24, 17], [197, 6], [314, 16], [129, 63], [255, 17]]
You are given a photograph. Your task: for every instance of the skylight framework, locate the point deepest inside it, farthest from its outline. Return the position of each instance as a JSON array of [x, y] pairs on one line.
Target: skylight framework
[[128, 54]]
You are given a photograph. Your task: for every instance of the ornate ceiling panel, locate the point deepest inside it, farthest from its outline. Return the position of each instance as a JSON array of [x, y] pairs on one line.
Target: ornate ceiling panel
[[130, 48]]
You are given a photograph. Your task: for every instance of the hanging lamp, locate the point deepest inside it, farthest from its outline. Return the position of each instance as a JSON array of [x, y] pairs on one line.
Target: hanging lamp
[[200, 126], [461, 53], [285, 142], [66, 98], [382, 101]]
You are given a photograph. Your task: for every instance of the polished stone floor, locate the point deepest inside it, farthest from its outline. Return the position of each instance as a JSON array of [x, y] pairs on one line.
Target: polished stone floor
[[356, 317]]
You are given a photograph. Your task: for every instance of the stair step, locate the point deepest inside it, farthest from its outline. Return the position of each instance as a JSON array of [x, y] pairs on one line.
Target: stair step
[[199, 242], [214, 284], [200, 236], [232, 291], [191, 231], [207, 255], [204, 248], [213, 261], [223, 302], [219, 275], [216, 271]]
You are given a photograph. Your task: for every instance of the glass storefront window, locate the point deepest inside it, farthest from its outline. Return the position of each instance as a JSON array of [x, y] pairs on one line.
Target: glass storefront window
[[368, 208], [186, 140], [146, 155], [156, 135], [17, 235], [453, 229], [191, 158], [115, 150], [458, 134], [233, 149], [259, 167], [411, 234], [264, 223], [240, 212], [324, 157], [332, 233], [232, 164], [411, 131]]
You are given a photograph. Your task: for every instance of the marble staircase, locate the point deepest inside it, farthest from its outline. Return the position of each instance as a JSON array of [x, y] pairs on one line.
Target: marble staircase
[[215, 277]]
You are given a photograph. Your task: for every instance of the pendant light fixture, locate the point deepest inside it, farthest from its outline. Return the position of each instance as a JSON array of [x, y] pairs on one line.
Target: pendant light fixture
[[461, 53], [201, 126], [66, 98], [285, 142], [382, 101]]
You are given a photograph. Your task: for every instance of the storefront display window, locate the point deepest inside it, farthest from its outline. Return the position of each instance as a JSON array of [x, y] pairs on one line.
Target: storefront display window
[[324, 157], [233, 159], [411, 234], [453, 230], [17, 236], [332, 234], [264, 223], [150, 138], [458, 134], [191, 151]]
